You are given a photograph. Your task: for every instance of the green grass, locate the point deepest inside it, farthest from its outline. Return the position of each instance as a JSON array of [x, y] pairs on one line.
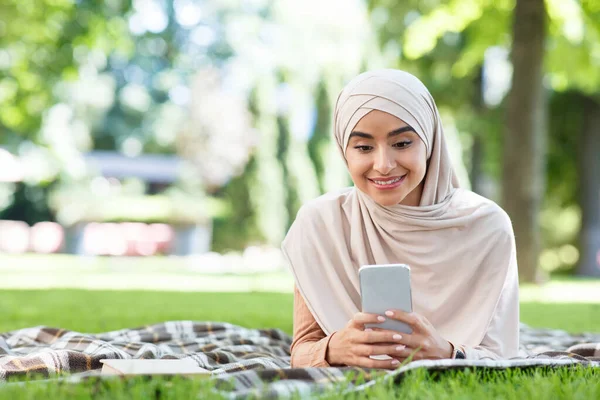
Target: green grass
[[575, 383], [572, 317], [101, 311], [114, 389], [98, 311]]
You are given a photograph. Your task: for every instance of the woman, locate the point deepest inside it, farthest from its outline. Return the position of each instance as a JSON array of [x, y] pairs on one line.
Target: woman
[[405, 207]]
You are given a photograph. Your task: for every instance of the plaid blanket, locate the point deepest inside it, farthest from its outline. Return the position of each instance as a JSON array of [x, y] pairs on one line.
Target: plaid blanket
[[245, 361]]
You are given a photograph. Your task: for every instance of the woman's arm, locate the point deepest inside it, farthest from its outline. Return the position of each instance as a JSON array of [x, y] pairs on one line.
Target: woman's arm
[[351, 345], [310, 344]]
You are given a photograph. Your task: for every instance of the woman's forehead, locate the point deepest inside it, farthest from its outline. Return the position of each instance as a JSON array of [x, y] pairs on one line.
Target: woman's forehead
[[377, 121]]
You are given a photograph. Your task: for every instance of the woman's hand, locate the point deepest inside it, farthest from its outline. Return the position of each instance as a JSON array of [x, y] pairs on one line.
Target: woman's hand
[[353, 344], [424, 339]]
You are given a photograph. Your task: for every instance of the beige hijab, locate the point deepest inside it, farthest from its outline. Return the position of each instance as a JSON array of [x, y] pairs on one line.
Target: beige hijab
[[460, 246]]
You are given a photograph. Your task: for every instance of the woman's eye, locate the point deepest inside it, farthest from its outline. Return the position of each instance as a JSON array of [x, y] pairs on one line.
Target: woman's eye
[[402, 144], [363, 148]]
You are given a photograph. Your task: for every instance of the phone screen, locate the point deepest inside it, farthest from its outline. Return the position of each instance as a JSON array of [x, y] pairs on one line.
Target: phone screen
[[386, 287]]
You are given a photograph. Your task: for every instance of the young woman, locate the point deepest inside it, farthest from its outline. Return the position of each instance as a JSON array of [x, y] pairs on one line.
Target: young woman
[[405, 207]]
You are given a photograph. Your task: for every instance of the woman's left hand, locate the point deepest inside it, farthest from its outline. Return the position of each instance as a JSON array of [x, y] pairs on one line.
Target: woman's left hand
[[424, 338]]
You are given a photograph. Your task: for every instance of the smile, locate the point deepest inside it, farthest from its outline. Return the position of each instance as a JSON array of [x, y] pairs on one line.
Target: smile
[[388, 183]]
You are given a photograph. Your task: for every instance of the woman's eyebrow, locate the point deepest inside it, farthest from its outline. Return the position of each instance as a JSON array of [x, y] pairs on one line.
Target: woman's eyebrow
[[398, 131], [395, 132]]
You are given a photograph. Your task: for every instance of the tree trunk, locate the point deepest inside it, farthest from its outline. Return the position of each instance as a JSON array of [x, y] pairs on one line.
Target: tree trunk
[[476, 165], [477, 149], [321, 135], [589, 190], [524, 140]]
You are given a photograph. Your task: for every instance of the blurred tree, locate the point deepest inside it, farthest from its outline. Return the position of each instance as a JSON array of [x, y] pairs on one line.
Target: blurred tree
[[41, 44], [525, 135], [573, 172], [294, 150], [589, 188], [573, 71], [218, 150], [175, 44], [268, 193], [239, 228], [321, 135], [297, 118], [290, 184], [29, 204]]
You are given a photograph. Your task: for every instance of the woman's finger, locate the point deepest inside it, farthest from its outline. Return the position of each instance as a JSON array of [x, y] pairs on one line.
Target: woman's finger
[[413, 319], [407, 352], [360, 319], [367, 362], [380, 336], [376, 335], [376, 329], [392, 350], [410, 340]]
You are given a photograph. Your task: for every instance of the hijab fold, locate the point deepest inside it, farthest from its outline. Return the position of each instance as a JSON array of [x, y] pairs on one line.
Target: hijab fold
[[460, 246]]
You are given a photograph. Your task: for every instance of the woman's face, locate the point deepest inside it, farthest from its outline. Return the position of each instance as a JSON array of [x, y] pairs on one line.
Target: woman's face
[[387, 159]]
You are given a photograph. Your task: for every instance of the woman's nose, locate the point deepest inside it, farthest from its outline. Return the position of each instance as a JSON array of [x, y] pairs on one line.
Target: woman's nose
[[384, 162]]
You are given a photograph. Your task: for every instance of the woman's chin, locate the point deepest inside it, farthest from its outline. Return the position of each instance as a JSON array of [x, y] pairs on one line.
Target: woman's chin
[[387, 200]]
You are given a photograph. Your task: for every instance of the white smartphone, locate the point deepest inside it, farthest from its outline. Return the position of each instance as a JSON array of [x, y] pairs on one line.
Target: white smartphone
[[386, 287]]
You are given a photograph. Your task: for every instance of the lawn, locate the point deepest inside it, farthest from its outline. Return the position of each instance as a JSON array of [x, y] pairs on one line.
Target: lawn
[[97, 311], [100, 311]]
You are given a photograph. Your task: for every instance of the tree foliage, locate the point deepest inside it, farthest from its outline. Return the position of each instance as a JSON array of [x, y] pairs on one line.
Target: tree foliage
[[42, 43]]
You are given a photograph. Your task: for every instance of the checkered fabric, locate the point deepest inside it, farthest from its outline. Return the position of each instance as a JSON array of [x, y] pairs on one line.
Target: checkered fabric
[[248, 362]]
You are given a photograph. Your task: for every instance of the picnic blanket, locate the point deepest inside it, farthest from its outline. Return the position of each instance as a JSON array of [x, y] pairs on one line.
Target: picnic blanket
[[246, 362]]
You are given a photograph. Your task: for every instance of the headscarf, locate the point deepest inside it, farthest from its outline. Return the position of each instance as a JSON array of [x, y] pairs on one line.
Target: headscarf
[[460, 246]]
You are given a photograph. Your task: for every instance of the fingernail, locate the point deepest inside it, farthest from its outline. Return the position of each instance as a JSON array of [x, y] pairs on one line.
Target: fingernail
[[380, 318], [397, 337], [400, 348], [389, 313], [395, 362], [368, 330]]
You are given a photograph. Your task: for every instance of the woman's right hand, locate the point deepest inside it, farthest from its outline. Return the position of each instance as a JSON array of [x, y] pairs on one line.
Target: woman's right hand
[[353, 344]]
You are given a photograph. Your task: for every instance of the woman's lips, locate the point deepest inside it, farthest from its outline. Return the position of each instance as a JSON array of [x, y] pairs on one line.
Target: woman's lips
[[389, 183]]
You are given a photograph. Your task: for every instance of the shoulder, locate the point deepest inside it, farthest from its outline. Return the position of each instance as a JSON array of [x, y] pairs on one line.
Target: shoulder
[[325, 205], [487, 211], [322, 214]]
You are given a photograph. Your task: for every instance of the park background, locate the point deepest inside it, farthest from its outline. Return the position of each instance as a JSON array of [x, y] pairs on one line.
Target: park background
[[153, 153]]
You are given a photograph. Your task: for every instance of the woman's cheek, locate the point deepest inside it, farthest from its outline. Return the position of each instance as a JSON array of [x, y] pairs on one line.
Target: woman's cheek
[[418, 162]]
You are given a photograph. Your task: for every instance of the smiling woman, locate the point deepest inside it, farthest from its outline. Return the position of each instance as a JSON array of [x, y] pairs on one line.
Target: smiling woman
[[406, 207], [388, 163]]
